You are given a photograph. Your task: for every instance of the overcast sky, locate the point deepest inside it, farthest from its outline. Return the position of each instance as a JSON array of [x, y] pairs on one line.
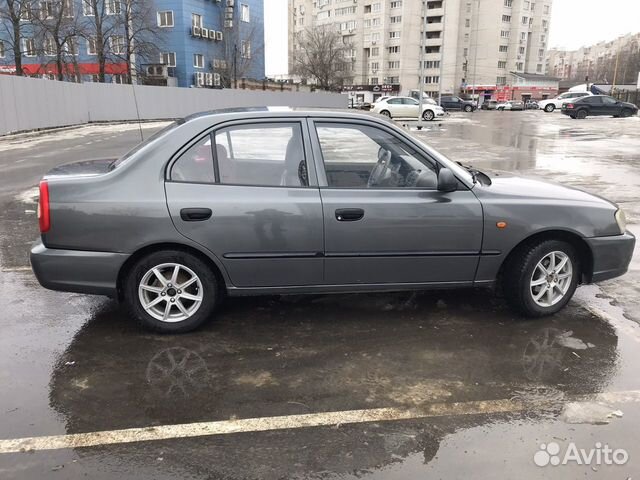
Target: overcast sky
[[574, 23]]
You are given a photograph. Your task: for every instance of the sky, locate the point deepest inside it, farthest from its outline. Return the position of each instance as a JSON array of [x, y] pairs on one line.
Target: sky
[[574, 23]]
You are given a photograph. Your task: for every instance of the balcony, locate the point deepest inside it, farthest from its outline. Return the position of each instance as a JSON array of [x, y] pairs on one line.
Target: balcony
[[435, 12], [433, 27], [428, 42]]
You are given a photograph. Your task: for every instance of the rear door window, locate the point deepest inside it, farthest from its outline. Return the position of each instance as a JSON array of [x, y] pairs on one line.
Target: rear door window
[[196, 164]]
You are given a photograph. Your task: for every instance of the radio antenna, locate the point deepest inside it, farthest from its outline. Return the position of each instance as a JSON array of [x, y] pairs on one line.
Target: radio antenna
[[135, 101]]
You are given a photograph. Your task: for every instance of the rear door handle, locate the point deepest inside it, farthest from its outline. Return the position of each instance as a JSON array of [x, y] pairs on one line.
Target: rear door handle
[[195, 214], [349, 214]]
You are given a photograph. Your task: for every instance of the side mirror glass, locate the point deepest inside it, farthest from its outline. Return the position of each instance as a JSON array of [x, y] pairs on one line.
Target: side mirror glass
[[447, 181]]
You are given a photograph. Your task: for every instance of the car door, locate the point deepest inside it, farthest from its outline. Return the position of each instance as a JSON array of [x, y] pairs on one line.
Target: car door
[[411, 106], [596, 107], [244, 192], [385, 222], [611, 106], [446, 103], [395, 107]]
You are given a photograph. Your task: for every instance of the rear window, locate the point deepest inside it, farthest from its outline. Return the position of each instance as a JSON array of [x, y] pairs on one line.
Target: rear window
[[144, 143]]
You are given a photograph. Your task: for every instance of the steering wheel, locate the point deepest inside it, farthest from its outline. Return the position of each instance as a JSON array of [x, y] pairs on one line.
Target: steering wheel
[[379, 170]]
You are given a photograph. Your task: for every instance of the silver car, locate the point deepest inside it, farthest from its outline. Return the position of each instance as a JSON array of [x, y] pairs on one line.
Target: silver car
[[261, 201]]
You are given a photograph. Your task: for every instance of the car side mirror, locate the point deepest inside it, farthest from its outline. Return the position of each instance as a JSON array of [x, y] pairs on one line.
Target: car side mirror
[[447, 181]]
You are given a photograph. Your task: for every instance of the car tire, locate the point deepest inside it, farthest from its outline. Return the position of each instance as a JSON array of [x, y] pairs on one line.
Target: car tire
[[468, 108], [500, 109], [626, 113], [549, 108], [148, 298], [386, 113], [525, 269], [581, 114], [428, 115]]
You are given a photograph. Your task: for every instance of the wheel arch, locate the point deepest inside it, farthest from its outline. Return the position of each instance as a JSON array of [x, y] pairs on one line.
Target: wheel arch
[[157, 247], [582, 248]]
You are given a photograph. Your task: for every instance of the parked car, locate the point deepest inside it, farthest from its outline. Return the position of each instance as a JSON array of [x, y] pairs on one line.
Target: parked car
[[510, 105], [407, 107], [249, 202], [552, 104], [598, 105], [489, 105], [457, 103], [531, 105]]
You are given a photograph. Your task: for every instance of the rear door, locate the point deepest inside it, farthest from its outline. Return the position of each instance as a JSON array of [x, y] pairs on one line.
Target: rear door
[[610, 106], [244, 192], [411, 106], [396, 107], [384, 219]]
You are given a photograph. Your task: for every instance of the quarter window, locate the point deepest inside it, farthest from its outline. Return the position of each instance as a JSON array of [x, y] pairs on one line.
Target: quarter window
[[359, 156], [269, 154], [196, 164]]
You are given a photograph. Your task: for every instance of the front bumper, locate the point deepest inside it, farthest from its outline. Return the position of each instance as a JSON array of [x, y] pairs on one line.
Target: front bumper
[[77, 270], [611, 255]]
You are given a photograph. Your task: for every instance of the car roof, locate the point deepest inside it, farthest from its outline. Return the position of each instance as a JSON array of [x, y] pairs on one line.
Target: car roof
[[224, 114]]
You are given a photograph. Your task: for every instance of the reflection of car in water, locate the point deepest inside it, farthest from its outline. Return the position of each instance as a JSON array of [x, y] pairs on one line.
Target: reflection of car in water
[[510, 105], [489, 105], [310, 355]]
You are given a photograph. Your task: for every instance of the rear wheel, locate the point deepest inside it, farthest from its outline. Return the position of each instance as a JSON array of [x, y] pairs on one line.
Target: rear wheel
[[582, 114], [626, 113], [550, 108], [428, 115], [541, 278], [171, 291], [386, 113]]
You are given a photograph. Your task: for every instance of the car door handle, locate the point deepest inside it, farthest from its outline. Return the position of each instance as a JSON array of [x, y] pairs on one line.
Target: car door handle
[[349, 214], [195, 214]]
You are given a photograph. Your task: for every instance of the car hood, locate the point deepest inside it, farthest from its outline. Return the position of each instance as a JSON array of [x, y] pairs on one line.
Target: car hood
[[510, 186]]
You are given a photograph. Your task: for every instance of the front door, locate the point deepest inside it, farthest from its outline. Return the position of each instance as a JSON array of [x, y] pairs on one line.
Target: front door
[[411, 106], [384, 219], [245, 193]]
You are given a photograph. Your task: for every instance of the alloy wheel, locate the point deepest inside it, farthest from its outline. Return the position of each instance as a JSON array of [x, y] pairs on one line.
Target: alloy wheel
[[551, 279], [170, 292]]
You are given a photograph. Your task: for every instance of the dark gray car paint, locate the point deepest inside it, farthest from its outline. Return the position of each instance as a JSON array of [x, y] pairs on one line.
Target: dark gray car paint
[[425, 239]]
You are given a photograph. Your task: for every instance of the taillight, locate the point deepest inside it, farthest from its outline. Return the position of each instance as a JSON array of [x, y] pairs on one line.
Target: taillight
[[44, 216], [569, 105]]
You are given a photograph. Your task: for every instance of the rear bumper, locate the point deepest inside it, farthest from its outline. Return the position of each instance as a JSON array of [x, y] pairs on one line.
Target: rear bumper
[[77, 271], [611, 255]]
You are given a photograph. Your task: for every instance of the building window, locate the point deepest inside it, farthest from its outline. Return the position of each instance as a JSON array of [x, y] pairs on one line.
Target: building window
[[392, 80], [501, 80], [505, 33], [503, 48], [198, 60], [29, 47], [526, 5], [196, 20], [375, 22], [71, 46], [523, 35], [345, 11], [165, 19], [506, 18], [508, 3], [246, 49], [395, 49], [525, 20], [396, 4], [545, 24], [432, 64], [168, 59], [114, 7], [244, 12], [465, 52], [324, 15], [375, 51], [434, 49], [87, 8], [546, 10], [67, 8], [2, 53], [373, 81], [521, 50], [375, 66], [541, 52], [49, 47], [321, 3], [539, 68], [393, 64], [519, 66], [396, 19], [91, 46], [542, 38], [375, 7], [432, 79], [502, 64], [533, 7], [467, 22], [375, 37], [117, 44], [26, 13], [47, 9], [394, 34]]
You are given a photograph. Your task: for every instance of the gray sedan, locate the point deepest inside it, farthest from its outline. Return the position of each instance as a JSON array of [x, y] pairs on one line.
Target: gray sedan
[[261, 201]]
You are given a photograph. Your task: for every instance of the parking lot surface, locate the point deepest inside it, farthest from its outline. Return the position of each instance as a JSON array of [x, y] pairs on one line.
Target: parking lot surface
[[381, 386]]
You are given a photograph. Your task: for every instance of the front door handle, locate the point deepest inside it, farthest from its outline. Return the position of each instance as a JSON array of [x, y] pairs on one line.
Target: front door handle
[[195, 214], [349, 214]]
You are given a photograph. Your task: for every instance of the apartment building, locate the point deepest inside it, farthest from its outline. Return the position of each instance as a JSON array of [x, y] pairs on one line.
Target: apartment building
[[469, 45], [190, 43]]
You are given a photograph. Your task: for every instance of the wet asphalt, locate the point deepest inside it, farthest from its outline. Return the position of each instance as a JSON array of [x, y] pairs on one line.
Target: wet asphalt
[[72, 364]]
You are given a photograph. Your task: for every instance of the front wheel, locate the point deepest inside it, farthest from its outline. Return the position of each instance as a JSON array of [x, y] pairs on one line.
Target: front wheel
[[550, 108], [171, 291], [541, 278], [626, 113], [428, 115], [468, 108], [386, 113]]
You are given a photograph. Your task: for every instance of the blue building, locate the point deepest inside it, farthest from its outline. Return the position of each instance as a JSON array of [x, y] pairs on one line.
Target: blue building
[[190, 43]]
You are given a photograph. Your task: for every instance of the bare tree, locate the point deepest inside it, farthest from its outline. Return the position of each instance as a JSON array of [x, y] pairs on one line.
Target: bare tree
[[141, 34], [14, 15], [99, 27], [321, 55], [57, 28]]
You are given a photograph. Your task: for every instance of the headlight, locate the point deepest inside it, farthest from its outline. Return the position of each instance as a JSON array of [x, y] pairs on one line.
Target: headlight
[[621, 220]]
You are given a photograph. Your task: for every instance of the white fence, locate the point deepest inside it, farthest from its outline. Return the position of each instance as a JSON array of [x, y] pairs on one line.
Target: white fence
[[31, 103]]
